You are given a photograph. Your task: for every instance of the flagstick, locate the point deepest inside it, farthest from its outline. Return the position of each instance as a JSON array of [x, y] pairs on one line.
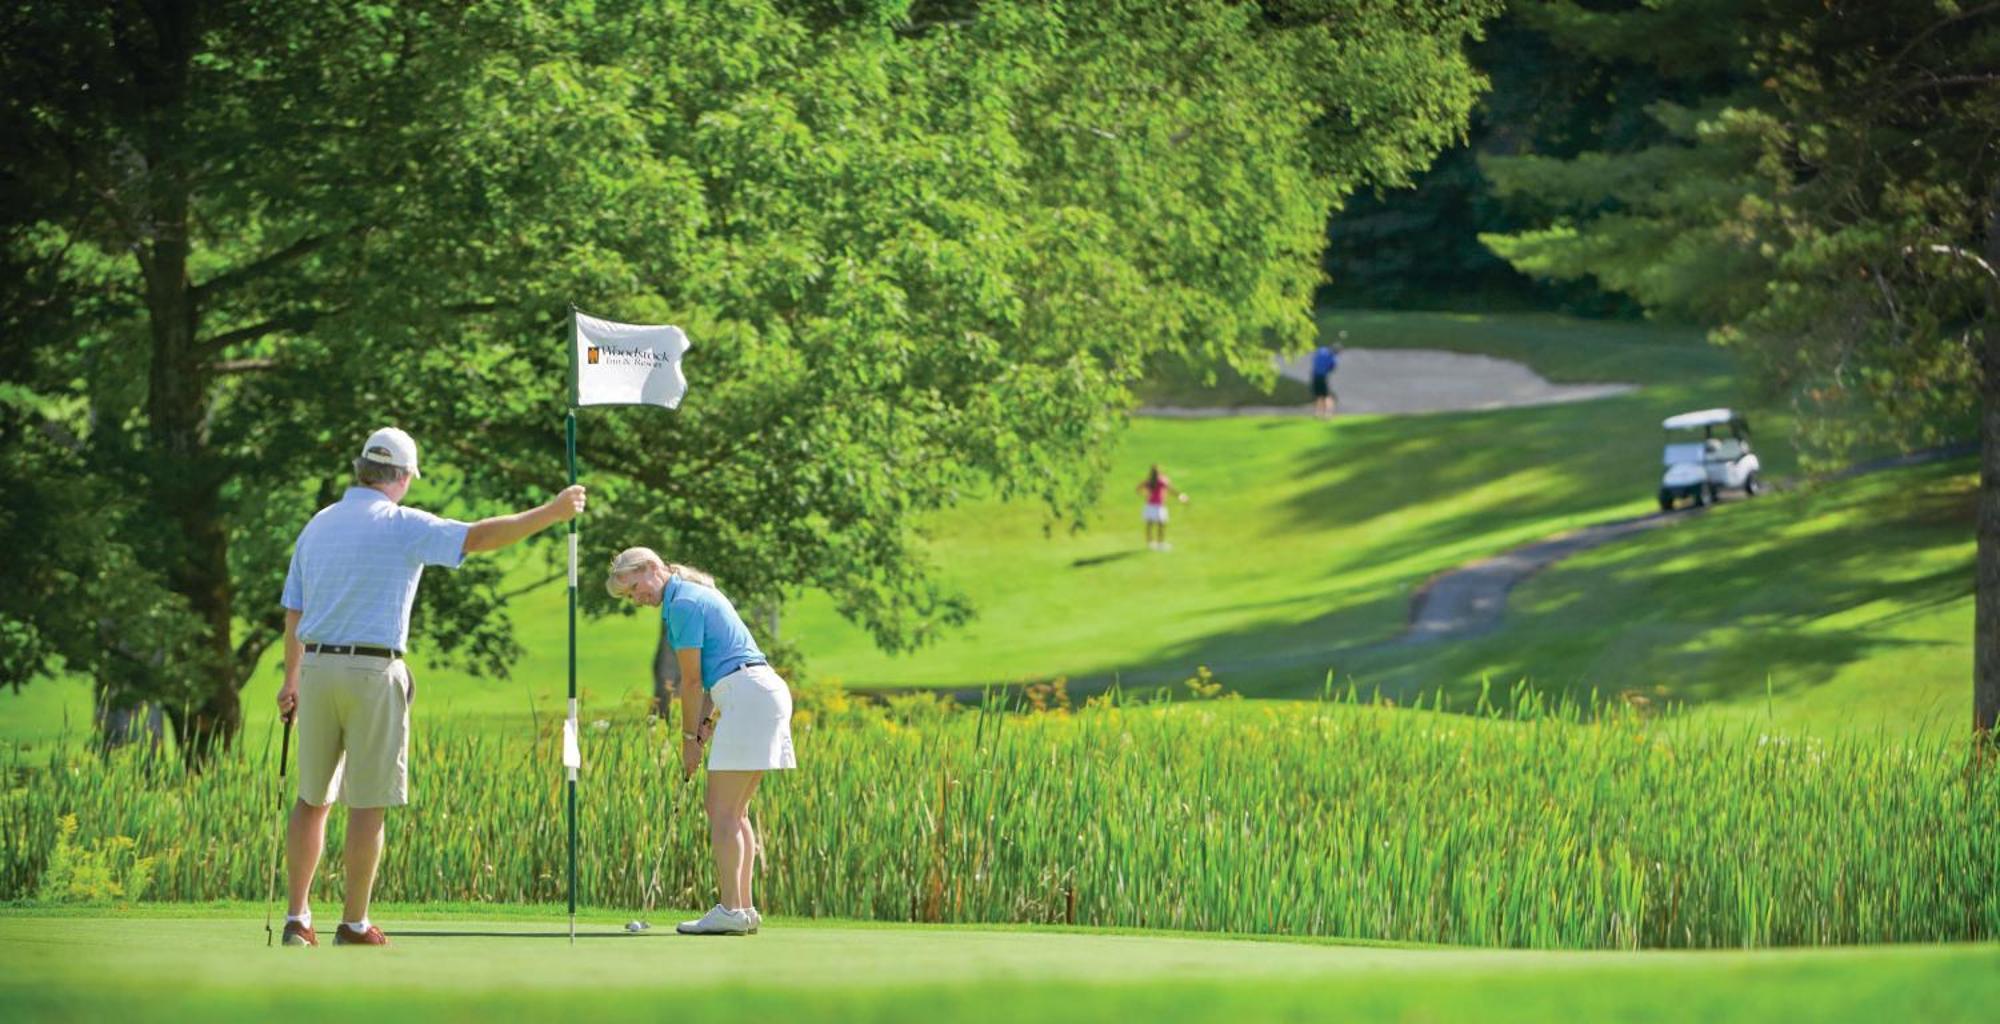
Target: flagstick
[[569, 435], [642, 367]]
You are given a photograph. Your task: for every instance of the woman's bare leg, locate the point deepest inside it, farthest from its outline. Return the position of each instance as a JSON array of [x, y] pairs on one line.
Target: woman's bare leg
[[749, 865], [729, 834]]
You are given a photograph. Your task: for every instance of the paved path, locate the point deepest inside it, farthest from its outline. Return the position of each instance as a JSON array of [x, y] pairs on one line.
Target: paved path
[[1470, 599], [1402, 382]]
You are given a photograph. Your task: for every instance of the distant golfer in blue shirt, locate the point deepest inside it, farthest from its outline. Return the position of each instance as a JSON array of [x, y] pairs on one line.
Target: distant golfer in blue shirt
[[1325, 360]]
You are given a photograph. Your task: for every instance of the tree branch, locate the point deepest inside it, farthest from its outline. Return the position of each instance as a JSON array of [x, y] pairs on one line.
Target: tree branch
[[257, 638], [537, 585], [915, 29], [299, 320], [1964, 254], [258, 268], [1945, 83], [229, 366], [1918, 39]]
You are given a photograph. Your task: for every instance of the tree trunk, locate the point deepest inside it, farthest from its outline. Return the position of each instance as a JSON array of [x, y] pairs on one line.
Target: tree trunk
[[1986, 598], [185, 485], [1986, 593], [121, 726]]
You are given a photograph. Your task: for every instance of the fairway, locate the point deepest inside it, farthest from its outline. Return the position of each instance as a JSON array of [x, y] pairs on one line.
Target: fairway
[[469, 964]]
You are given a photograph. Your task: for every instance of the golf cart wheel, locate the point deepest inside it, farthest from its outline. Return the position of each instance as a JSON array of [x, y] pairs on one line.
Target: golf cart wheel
[[1752, 486], [1666, 500]]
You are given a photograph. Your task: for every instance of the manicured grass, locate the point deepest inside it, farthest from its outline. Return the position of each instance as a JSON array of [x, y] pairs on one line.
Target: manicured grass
[[1304, 538], [172, 965], [1848, 607]]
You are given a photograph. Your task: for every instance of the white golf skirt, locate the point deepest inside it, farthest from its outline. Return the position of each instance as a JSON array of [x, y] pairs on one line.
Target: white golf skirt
[[1155, 513], [754, 733]]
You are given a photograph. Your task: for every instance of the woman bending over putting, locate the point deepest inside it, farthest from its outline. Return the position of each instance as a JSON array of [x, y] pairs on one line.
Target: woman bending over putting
[[721, 670]]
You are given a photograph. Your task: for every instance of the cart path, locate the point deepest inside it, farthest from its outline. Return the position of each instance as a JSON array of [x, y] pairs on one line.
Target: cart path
[[1404, 382], [1472, 599]]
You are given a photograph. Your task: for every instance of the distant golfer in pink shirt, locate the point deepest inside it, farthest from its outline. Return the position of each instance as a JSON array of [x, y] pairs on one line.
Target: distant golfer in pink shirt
[[1156, 487]]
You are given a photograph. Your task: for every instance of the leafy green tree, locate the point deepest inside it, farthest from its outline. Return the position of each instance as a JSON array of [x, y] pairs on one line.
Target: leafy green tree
[[1551, 96], [921, 250], [1835, 209]]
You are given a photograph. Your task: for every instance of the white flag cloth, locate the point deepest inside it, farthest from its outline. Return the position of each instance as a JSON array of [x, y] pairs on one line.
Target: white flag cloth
[[572, 756], [627, 364]]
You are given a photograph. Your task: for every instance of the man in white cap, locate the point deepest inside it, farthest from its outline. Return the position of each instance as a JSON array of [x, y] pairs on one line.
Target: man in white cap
[[347, 604]]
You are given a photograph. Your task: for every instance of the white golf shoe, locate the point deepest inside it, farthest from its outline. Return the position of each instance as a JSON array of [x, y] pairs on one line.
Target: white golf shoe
[[719, 920], [756, 919]]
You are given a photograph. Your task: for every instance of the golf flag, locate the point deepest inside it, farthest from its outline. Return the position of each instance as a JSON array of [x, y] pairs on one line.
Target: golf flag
[[626, 364]]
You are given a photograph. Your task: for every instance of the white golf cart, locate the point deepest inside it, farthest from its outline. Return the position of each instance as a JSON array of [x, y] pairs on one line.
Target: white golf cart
[[1707, 452]]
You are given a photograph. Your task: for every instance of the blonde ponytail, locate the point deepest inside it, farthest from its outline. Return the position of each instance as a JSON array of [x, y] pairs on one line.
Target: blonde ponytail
[[689, 572], [632, 560]]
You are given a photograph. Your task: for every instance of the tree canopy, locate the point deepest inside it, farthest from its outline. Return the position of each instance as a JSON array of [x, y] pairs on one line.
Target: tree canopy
[[921, 249]]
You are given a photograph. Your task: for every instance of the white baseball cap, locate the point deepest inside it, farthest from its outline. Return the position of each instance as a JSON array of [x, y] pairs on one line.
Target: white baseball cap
[[392, 447]]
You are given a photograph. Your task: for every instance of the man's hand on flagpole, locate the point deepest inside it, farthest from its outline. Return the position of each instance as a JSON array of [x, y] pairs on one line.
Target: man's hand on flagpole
[[567, 505]]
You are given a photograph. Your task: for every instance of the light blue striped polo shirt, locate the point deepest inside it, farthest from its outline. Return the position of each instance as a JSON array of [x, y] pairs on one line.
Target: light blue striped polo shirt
[[356, 565]]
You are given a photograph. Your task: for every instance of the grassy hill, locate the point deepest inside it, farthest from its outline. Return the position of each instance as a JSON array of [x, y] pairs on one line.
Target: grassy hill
[[1305, 539]]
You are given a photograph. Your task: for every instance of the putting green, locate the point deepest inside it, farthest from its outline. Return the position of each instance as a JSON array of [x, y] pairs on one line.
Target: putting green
[[190, 963]]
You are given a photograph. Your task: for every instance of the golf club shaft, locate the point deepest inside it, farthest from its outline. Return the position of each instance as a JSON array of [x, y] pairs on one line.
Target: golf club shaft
[[660, 854], [278, 851]]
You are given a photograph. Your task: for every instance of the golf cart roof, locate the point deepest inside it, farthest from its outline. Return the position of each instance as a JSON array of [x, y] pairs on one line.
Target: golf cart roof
[[1704, 418]]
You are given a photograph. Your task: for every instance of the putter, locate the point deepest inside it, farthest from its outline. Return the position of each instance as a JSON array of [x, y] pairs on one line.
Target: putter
[[653, 883], [278, 854]]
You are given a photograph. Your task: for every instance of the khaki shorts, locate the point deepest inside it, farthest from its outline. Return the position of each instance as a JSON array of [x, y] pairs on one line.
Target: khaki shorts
[[354, 730]]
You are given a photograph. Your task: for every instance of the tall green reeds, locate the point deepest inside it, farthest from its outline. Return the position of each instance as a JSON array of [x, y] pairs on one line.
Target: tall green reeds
[[1537, 828]]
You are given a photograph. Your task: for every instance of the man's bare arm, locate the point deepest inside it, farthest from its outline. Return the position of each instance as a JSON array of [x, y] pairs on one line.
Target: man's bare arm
[[499, 531]]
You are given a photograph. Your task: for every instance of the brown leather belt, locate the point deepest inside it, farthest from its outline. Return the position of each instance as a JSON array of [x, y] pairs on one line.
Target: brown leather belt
[[360, 649]]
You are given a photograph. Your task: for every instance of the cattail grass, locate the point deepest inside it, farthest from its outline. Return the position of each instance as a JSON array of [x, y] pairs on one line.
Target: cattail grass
[[1538, 828]]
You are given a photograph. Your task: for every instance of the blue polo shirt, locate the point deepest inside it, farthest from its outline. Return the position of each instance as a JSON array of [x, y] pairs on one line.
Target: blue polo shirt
[[1324, 361], [356, 565], [700, 617]]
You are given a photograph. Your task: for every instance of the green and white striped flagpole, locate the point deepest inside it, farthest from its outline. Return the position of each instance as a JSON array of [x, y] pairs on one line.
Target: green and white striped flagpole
[[572, 756]]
